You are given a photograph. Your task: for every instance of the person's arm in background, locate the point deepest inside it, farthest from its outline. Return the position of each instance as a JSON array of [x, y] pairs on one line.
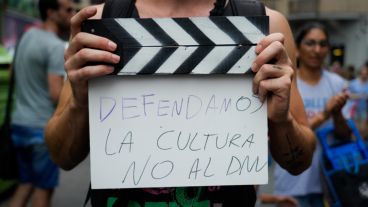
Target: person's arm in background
[[55, 84], [55, 72], [67, 132], [279, 200], [334, 109], [292, 142]]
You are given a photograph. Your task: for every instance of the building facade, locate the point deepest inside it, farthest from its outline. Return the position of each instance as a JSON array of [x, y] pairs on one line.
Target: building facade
[[346, 20]]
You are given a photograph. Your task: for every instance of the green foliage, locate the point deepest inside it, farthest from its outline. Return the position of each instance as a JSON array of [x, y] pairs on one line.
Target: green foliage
[[5, 60], [28, 7], [4, 81]]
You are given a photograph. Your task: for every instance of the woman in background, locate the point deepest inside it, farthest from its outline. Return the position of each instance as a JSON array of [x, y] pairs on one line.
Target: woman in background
[[324, 96]]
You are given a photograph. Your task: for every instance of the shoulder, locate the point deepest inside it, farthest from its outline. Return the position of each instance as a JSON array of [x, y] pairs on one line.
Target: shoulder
[[51, 40], [27, 35], [278, 22], [333, 75], [33, 32], [336, 79], [41, 38], [354, 81], [354, 85]]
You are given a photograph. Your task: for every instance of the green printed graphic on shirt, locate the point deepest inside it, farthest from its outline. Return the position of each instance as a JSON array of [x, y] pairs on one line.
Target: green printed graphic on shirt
[[111, 201]]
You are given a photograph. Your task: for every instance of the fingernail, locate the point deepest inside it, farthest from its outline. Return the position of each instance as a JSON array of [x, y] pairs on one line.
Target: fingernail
[[112, 45], [254, 67], [91, 10], [116, 58], [110, 69], [255, 91]]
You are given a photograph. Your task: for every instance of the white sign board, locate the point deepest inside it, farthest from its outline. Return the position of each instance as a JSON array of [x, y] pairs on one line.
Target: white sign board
[[176, 130]]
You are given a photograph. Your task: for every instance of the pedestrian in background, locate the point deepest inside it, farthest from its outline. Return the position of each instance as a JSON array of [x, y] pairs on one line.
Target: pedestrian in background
[[349, 73], [323, 95], [359, 100], [337, 68], [39, 71]]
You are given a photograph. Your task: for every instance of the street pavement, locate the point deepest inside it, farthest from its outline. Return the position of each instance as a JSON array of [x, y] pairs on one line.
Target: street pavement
[[73, 187]]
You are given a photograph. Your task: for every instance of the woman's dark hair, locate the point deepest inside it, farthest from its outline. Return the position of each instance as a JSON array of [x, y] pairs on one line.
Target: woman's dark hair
[[306, 28], [44, 5]]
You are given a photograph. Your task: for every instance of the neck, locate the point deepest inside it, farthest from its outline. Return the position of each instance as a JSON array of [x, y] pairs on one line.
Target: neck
[[50, 27], [310, 76], [174, 8], [178, 2]]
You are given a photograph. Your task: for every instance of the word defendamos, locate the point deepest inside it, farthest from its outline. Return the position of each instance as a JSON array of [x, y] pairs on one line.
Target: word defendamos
[[187, 107]]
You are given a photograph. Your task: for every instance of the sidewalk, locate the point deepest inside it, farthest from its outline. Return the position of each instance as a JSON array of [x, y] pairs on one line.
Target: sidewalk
[[73, 186]]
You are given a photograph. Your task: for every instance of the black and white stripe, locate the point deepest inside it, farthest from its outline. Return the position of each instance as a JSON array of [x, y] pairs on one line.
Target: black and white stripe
[[196, 45]]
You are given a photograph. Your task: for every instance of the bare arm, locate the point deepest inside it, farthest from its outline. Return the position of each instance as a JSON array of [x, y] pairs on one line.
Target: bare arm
[[67, 132], [55, 83], [343, 130], [334, 109], [278, 199], [292, 142], [355, 96]]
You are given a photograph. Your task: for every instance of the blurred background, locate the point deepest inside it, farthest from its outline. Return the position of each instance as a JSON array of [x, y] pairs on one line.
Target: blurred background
[[346, 20]]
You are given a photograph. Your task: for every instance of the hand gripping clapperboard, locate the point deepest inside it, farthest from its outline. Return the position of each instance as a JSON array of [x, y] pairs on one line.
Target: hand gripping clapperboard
[[179, 108]]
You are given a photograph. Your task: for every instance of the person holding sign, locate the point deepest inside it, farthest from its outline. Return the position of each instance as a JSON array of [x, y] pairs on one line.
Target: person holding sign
[[291, 140]]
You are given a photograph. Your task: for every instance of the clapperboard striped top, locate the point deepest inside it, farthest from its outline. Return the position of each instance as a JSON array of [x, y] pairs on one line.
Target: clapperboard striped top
[[197, 45]]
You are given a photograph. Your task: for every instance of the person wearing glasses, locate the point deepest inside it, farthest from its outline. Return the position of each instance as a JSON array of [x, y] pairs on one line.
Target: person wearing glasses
[[39, 76], [324, 97]]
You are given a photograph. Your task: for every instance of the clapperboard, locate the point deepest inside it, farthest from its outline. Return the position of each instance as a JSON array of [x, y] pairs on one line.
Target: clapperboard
[[178, 109], [202, 45]]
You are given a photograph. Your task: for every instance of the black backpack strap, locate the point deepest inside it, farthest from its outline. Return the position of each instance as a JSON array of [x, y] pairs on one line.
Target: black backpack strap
[[247, 8], [9, 100], [118, 8]]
